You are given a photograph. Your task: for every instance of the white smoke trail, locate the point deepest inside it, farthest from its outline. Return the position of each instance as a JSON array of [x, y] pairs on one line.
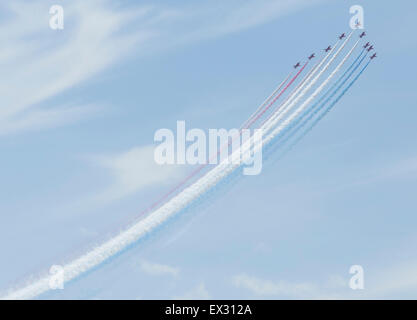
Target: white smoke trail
[[132, 234], [310, 76], [267, 100], [305, 89], [103, 252], [300, 87], [285, 123], [292, 93]]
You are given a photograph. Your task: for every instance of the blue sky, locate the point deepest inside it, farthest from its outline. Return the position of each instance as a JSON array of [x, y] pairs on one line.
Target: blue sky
[[78, 114]]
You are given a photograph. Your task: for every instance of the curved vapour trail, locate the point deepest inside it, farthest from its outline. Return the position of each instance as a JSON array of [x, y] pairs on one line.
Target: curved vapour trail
[[274, 119], [328, 109], [293, 98], [291, 94], [316, 107], [291, 101], [135, 232], [277, 97], [244, 125], [103, 252], [194, 173], [300, 109], [129, 236], [350, 68]]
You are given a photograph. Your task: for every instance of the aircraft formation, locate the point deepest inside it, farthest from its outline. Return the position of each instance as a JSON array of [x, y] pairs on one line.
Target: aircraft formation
[[286, 123], [368, 46]]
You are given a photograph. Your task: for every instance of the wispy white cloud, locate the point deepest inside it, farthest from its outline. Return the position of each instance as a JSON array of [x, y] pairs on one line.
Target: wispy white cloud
[[388, 282], [206, 20], [134, 170], [41, 63], [233, 16], [391, 281], [156, 269], [198, 293], [38, 118], [261, 287]]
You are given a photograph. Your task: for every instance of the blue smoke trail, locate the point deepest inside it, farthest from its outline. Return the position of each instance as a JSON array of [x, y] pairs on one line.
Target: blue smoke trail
[[333, 90], [329, 108], [197, 206], [347, 71], [236, 175]]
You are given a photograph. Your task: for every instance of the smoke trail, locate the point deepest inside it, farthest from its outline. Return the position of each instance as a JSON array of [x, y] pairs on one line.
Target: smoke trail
[[201, 167], [333, 90], [132, 234], [350, 68], [244, 125], [275, 120], [138, 230], [305, 87], [296, 113], [277, 97], [292, 93], [329, 108]]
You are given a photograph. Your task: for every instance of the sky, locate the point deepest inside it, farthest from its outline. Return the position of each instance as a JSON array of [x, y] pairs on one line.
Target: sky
[[79, 109]]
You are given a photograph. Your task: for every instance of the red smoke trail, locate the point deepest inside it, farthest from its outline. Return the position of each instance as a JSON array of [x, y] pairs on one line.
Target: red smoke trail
[[277, 97], [199, 169], [265, 102], [290, 95]]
